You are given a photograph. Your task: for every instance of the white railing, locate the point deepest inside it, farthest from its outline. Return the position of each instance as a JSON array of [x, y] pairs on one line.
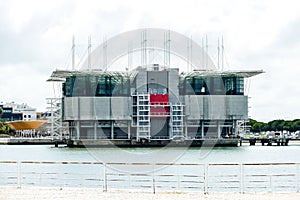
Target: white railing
[[249, 177]]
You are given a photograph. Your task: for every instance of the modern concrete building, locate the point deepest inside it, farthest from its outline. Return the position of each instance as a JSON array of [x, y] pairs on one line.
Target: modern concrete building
[[154, 105]]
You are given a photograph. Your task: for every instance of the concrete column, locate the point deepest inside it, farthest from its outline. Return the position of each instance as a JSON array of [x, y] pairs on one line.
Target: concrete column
[[219, 130], [202, 129], [234, 131], [185, 130], [112, 130], [95, 130], [78, 129], [128, 130]]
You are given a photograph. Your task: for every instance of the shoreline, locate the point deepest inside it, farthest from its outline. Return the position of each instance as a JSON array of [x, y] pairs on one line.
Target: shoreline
[[10, 192]]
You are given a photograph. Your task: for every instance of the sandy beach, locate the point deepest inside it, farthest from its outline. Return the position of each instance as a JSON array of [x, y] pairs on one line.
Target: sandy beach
[[92, 193]]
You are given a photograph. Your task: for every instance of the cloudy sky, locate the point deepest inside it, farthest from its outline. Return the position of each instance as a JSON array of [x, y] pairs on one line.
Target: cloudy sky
[[35, 39]]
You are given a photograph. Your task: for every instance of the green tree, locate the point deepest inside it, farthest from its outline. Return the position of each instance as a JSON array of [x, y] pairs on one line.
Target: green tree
[[4, 128], [275, 125]]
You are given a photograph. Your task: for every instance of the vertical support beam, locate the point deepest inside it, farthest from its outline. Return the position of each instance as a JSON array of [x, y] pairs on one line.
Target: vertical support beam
[[128, 129], [234, 128], [206, 179], [112, 130], [19, 176], [78, 129], [219, 130], [186, 130], [95, 130], [202, 129], [242, 178], [104, 178], [297, 176]]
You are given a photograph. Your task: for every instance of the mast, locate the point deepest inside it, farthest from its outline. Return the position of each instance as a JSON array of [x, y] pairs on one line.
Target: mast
[[218, 53], [206, 47], [89, 53], [73, 53], [222, 46]]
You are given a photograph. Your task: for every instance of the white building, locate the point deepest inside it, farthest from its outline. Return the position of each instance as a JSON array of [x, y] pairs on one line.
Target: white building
[[28, 112]]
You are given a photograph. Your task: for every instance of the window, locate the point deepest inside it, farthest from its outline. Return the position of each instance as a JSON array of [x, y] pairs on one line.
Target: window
[[229, 85], [218, 86], [239, 85]]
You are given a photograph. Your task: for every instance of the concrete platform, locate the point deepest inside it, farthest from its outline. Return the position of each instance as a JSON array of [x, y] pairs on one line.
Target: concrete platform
[[29, 141], [153, 143]]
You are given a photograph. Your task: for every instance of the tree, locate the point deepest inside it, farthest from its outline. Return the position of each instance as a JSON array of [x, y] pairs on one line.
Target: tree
[[275, 125], [4, 128], [1, 111]]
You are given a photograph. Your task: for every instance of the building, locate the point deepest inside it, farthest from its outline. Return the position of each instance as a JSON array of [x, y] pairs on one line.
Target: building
[[28, 113], [9, 115], [23, 119], [154, 105]]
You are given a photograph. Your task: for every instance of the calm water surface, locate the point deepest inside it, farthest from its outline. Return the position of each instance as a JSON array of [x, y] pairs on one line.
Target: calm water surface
[[244, 154]]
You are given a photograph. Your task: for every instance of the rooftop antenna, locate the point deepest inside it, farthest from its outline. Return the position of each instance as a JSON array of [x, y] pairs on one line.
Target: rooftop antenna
[[203, 60], [89, 52], [222, 46], [218, 53], [144, 47], [104, 54], [206, 47], [73, 53], [188, 54], [167, 45], [191, 57]]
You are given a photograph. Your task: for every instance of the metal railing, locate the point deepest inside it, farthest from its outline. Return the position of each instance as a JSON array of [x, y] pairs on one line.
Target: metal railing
[[249, 177]]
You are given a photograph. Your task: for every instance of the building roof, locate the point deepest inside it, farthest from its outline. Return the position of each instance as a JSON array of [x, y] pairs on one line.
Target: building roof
[[26, 125], [61, 75], [207, 73]]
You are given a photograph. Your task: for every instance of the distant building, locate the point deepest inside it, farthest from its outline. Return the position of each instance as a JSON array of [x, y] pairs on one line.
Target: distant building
[[28, 113], [9, 115], [22, 118]]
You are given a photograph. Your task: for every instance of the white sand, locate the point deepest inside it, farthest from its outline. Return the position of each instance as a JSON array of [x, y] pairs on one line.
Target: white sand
[[86, 193]]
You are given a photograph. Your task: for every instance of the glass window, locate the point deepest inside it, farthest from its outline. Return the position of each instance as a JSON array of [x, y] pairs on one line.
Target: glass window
[[240, 85], [229, 85], [218, 86]]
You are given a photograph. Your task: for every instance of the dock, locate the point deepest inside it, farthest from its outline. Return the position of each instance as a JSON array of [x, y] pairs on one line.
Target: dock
[[281, 141], [29, 141]]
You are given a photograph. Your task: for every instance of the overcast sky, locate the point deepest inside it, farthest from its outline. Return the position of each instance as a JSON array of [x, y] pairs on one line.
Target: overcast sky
[[35, 39]]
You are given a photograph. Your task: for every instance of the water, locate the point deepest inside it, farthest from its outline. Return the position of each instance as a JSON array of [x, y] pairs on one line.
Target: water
[[244, 154]]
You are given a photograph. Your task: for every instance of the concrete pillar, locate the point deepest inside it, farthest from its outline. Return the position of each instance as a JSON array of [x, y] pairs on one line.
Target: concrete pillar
[[202, 129], [234, 129], [128, 129], [112, 130], [185, 130], [77, 130], [219, 130], [95, 130]]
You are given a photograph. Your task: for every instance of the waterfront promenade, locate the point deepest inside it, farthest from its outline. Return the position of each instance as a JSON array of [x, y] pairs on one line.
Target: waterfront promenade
[[8, 193]]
